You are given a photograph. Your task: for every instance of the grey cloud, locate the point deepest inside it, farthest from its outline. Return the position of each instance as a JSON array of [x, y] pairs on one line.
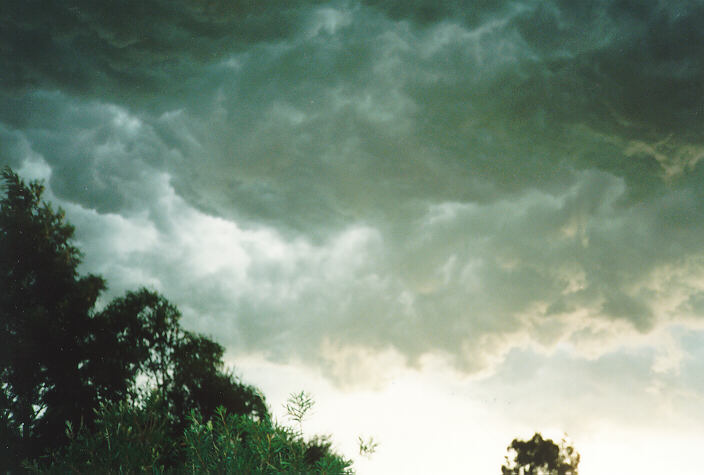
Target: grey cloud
[[129, 51], [694, 304], [624, 69], [629, 70], [604, 387], [514, 162], [98, 152], [425, 12]]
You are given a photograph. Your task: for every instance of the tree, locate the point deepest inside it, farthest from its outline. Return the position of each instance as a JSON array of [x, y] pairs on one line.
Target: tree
[[185, 368], [61, 359], [45, 322], [538, 456]]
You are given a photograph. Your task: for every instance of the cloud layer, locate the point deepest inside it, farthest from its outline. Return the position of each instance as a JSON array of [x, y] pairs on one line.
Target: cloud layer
[[413, 177]]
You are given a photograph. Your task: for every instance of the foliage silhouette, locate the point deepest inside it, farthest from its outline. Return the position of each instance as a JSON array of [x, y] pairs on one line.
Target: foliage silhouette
[[368, 446], [46, 325], [61, 359], [538, 456], [185, 368], [130, 438], [127, 437], [297, 406], [239, 444]]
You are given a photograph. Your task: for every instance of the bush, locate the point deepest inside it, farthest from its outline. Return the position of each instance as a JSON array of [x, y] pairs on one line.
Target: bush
[[239, 444], [136, 438], [127, 437]]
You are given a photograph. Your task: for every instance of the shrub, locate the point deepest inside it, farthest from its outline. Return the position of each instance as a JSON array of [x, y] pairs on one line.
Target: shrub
[[239, 444]]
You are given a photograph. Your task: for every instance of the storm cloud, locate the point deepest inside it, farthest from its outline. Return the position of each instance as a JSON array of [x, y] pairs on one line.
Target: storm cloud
[[454, 178]]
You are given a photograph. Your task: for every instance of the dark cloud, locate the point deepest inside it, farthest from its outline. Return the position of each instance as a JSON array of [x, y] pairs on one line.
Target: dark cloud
[[424, 12], [98, 153], [432, 176], [629, 69], [129, 51]]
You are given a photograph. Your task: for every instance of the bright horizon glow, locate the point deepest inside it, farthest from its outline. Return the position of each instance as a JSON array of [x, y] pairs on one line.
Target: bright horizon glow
[[459, 434]]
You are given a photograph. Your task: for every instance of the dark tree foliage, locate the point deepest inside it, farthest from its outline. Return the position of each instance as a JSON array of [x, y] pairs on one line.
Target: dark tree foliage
[[136, 438], [60, 358], [237, 444], [128, 437], [538, 456], [45, 323], [185, 368]]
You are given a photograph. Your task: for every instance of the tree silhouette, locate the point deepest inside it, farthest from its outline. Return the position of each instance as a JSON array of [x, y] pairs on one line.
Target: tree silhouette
[[538, 456], [45, 322], [185, 368], [60, 358]]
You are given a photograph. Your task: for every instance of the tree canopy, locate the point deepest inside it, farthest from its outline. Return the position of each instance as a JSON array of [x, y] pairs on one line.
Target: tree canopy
[[539, 456], [61, 357], [46, 327]]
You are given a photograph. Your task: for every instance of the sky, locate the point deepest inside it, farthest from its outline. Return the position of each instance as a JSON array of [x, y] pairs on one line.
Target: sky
[[453, 223]]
